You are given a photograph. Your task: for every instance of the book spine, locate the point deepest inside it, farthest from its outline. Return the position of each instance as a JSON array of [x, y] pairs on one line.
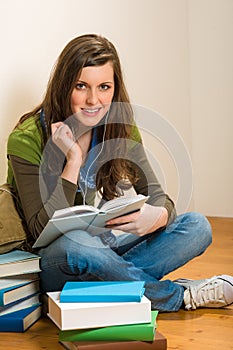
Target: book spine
[[142, 333], [11, 325], [122, 345], [100, 298], [2, 301]]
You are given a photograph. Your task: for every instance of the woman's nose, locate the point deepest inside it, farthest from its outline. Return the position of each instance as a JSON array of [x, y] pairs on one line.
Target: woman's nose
[[92, 97]]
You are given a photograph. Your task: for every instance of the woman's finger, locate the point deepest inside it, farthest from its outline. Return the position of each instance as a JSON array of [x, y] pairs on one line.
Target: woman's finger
[[121, 220]]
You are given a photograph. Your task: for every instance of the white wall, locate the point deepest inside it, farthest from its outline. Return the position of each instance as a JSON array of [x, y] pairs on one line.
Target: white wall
[[158, 42], [211, 91]]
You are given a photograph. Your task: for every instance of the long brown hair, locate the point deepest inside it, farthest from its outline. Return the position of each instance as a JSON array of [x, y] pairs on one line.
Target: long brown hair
[[83, 51]]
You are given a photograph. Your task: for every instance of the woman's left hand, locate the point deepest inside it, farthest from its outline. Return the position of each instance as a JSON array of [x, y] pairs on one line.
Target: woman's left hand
[[147, 220]]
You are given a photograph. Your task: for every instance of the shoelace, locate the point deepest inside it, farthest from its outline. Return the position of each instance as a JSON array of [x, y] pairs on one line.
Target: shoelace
[[210, 293]]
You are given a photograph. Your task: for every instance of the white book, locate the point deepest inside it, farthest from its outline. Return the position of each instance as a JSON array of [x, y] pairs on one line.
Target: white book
[[87, 218], [68, 316]]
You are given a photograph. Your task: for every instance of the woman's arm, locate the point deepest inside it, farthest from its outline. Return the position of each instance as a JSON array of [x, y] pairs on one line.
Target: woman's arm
[[148, 183], [36, 211], [41, 194]]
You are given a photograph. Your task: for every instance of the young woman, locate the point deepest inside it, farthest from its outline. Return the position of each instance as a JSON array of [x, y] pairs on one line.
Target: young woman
[[80, 140]]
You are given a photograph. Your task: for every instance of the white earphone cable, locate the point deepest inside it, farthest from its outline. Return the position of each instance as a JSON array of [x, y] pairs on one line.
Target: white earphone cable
[[84, 192]]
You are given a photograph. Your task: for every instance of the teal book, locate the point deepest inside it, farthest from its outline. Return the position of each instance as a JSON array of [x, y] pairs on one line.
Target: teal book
[[21, 320], [141, 331], [102, 291], [18, 262], [16, 280]]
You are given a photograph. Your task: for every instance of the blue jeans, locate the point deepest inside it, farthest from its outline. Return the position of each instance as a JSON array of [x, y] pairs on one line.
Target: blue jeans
[[78, 256]]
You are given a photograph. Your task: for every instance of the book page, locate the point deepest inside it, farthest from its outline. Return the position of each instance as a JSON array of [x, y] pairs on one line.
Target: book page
[[75, 210], [98, 225], [119, 202]]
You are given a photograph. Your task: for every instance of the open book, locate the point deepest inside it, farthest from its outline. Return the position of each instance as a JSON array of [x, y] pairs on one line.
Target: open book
[[87, 218]]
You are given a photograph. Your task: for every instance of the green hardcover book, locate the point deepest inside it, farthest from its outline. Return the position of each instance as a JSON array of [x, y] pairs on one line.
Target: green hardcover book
[[141, 331]]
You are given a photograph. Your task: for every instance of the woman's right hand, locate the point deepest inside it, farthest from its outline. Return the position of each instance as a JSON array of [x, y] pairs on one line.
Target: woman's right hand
[[63, 138]]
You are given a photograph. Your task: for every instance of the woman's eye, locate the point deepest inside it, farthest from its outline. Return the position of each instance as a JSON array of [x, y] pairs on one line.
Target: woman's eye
[[104, 87], [80, 86]]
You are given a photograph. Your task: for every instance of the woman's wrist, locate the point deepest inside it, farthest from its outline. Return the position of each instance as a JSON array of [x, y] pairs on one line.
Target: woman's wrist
[[71, 170], [164, 217], [161, 221]]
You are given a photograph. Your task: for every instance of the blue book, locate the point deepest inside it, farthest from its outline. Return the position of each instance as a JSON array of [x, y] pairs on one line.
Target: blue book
[[20, 305], [15, 293], [102, 291], [20, 321]]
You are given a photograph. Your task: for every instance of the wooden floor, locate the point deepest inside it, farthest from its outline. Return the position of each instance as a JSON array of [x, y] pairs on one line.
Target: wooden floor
[[205, 329]]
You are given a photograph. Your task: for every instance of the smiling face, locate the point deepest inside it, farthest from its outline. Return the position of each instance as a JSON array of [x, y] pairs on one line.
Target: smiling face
[[93, 93]]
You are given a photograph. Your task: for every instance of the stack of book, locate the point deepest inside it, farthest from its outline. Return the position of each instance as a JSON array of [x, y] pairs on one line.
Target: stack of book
[[20, 306], [101, 315]]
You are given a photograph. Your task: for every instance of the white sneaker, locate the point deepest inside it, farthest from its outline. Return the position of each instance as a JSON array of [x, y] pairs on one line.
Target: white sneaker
[[213, 292]]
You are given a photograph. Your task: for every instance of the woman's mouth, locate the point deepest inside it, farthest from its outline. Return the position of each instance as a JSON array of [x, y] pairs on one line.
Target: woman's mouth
[[91, 111]]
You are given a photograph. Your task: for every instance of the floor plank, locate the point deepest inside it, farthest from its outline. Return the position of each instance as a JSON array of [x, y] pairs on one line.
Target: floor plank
[[204, 329]]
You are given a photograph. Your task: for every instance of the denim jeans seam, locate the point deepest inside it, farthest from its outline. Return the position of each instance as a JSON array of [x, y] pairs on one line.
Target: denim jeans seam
[[56, 264], [179, 299]]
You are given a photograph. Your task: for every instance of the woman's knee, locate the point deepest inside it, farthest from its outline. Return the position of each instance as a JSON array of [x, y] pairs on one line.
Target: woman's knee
[[199, 228], [68, 258], [71, 249]]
